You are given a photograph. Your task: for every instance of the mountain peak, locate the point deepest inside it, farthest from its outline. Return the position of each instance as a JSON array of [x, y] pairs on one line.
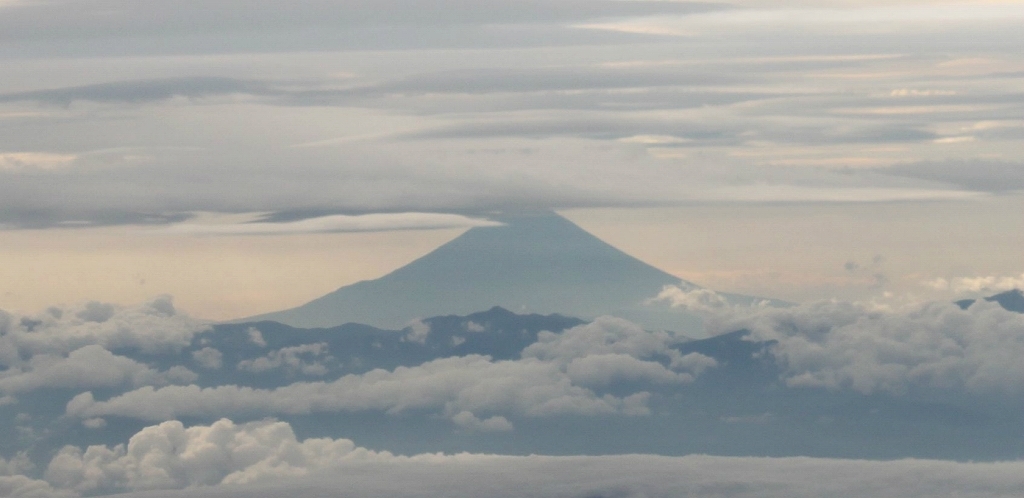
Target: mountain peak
[[535, 262], [1012, 300]]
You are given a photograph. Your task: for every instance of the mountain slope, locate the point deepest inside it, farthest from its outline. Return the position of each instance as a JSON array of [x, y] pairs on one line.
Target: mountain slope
[[1012, 300], [540, 263]]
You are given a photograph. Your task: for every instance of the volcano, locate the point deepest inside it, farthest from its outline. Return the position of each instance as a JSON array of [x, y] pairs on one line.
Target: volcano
[[532, 263]]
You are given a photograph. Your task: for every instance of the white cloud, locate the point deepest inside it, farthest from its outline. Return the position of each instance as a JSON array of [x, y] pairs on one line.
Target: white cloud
[[71, 347], [418, 332], [559, 374], [337, 223], [84, 368], [170, 456], [476, 384], [153, 327], [20, 464], [208, 358], [94, 423], [20, 486], [842, 345], [610, 349], [467, 420], [306, 359], [256, 337], [990, 283], [14, 484], [264, 459], [598, 370]]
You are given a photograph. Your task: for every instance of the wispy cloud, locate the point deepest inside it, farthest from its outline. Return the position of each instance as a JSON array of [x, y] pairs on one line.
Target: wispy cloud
[[336, 223]]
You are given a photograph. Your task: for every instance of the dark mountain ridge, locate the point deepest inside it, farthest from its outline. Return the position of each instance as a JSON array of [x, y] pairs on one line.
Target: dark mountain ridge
[[1012, 300]]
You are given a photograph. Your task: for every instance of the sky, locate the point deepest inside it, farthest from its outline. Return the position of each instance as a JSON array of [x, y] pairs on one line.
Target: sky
[[168, 163], [797, 150]]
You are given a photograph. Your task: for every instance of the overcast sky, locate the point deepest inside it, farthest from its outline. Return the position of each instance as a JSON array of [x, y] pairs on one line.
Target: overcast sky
[[792, 149], [861, 158]]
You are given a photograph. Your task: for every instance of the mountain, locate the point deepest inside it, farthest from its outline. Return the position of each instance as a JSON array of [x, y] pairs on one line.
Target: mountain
[[549, 376], [1011, 300], [533, 263]]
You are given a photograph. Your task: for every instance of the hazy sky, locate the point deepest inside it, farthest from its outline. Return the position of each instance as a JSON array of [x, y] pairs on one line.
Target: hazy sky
[[798, 150]]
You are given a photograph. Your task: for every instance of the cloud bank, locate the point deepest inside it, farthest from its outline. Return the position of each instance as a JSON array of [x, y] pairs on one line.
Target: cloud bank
[[343, 108], [561, 374], [866, 348], [266, 459]]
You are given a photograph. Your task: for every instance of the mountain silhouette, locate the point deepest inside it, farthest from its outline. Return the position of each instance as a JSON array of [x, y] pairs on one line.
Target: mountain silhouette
[[533, 263], [1012, 300]]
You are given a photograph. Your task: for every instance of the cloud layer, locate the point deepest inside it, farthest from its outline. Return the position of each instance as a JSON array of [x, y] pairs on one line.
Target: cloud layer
[[475, 108], [561, 374], [266, 459], [866, 348]]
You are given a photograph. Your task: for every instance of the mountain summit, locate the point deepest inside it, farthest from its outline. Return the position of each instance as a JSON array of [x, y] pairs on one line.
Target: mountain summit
[[536, 263]]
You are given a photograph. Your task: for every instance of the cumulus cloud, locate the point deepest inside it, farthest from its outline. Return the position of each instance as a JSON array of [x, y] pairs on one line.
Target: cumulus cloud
[[843, 345], [418, 331], [563, 373], [171, 456], [20, 464], [14, 483], [72, 348], [256, 337], [307, 359], [610, 349], [473, 383], [153, 327], [87, 367], [208, 358], [265, 458], [20, 486]]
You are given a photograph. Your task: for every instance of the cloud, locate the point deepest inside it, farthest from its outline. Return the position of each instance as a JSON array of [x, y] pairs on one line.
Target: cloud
[[151, 328], [843, 345], [559, 374], [20, 464], [307, 359], [418, 332], [16, 161], [170, 456], [139, 91], [263, 459], [256, 337], [451, 385], [20, 486], [72, 347], [208, 358], [468, 421], [84, 368], [310, 21], [979, 175], [990, 283], [610, 350], [338, 223]]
